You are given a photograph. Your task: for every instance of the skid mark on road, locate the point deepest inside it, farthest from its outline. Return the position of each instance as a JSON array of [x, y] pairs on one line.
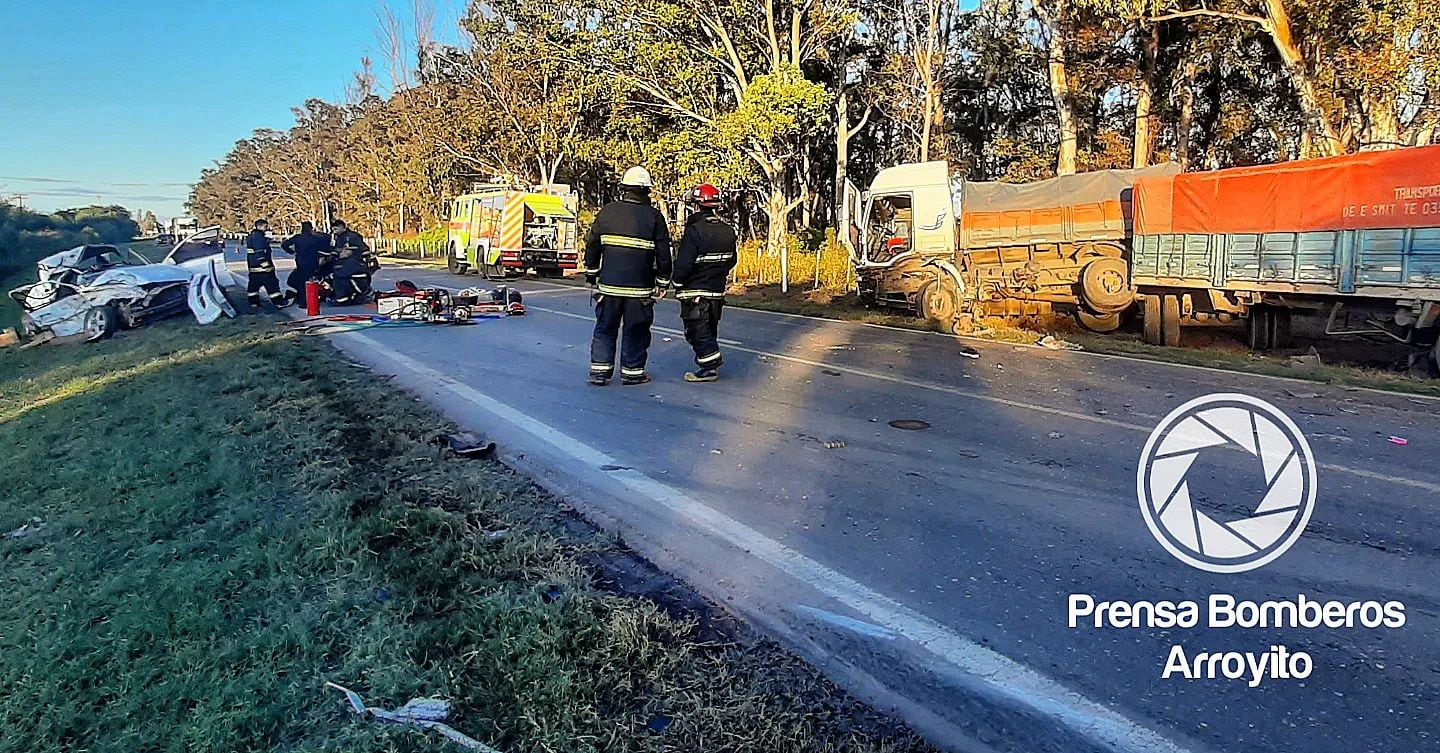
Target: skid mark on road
[[1001, 675], [1075, 415]]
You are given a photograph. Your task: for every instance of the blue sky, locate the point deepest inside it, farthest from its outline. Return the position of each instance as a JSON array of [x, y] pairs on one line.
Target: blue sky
[[97, 94]]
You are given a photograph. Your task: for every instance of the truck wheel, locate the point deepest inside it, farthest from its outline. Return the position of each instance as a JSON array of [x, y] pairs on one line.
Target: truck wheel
[[452, 263], [1170, 321], [100, 323], [1105, 286], [938, 303], [1279, 328], [1150, 305], [1258, 328], [1097, 322]]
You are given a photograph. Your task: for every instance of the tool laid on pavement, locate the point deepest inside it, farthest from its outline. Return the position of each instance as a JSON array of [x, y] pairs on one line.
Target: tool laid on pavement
[[408, 302]]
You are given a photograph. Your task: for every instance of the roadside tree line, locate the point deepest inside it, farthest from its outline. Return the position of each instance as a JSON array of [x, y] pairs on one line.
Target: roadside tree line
[[782, 100]]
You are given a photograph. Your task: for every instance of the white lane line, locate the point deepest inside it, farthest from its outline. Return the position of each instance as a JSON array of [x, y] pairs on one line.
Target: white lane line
[[1084, 353], [588, 318], [1002, 675], [948, 390]]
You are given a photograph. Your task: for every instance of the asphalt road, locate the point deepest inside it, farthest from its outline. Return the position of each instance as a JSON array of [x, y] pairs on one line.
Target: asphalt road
[[1021, 492]]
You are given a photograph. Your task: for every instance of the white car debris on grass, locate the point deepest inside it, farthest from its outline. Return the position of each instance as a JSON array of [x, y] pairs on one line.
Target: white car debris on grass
[[89, 292]]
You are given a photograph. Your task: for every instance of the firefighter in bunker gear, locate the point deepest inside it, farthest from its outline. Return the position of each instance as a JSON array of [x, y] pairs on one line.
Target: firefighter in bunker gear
[[354, 264], [261, 268], [306, 246], [627, 260], [702, 268]]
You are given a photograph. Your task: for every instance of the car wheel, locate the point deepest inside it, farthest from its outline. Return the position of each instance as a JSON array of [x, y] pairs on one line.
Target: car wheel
[[100, 323]]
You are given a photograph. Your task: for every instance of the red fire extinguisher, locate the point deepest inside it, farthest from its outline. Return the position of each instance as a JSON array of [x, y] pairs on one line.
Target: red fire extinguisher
[[312, 298]]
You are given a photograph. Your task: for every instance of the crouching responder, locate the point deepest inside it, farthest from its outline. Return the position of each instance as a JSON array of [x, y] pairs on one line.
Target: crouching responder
[[353, 265], [306, 247], [702, 267], [261, 268], [627, 261]]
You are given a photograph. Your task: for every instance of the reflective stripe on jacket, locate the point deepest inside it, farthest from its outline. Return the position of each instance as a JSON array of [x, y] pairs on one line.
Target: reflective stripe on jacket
[[706, 255], [628, 250]]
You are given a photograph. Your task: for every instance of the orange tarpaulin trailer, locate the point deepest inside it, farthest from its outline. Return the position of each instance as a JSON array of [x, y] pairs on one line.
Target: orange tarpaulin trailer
[[1398, 188]]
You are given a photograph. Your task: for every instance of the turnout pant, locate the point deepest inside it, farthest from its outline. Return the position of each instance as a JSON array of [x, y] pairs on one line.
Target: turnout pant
[[297, 279], [701, 317], [631, 319], [351, 283], [264, 281]]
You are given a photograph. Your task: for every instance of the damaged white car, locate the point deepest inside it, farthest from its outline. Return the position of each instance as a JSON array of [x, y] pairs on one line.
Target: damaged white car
[[91, 291]]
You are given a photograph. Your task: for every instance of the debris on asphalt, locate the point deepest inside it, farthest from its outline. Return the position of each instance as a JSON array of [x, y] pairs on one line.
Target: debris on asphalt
[[968, 352], [834, 444], [466, 445], [427, 713], [1055, 435], [717, 452], [909, 424], [1302, 395], [973, 455], [1052, 342], [32, 526], [829, 372], [1399, 440]]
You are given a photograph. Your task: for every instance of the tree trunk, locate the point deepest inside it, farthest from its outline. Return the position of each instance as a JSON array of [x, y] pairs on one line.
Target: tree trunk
[[1145, 120], [1190, 69], [1051, 14], [842, 158], [1327, 140]]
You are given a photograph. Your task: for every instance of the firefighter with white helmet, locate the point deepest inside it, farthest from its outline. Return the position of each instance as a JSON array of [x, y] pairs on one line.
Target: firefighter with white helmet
[[627, 261], [703, 262]]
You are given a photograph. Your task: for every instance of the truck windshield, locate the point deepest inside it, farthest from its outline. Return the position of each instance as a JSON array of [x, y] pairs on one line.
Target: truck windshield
[[890, 227]]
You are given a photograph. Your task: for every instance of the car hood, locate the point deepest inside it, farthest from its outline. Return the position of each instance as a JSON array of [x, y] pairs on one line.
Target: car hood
[[150, 274]]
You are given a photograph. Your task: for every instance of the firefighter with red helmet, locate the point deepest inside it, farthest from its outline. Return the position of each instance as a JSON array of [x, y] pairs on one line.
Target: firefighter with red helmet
[[627, 260], [706, 255]]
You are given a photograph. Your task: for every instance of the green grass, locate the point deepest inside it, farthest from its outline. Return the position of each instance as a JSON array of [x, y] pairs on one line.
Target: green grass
[[234, 516]]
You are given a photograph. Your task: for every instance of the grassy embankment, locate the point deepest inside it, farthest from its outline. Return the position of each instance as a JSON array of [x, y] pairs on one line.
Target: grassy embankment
[[233, 517]]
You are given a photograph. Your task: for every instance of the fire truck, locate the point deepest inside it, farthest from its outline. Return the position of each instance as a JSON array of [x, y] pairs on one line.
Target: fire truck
[[498, 230]]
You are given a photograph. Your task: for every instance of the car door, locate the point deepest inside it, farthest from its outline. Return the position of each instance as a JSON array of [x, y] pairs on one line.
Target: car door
[[203, 252]]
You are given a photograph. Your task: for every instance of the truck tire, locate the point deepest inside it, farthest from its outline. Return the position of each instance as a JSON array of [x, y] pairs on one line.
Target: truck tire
[[454, 264], [939, 303], [100, 323], [1170, 320], [1105, 285], [1097, 322], [1279, 328], [1150, 311], [1258, 328]]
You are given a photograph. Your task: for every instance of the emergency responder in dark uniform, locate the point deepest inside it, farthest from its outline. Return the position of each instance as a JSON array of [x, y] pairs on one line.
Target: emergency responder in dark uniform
[[306, 247], [353, 265], [702, 267], [627, 259], [261, 268]]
